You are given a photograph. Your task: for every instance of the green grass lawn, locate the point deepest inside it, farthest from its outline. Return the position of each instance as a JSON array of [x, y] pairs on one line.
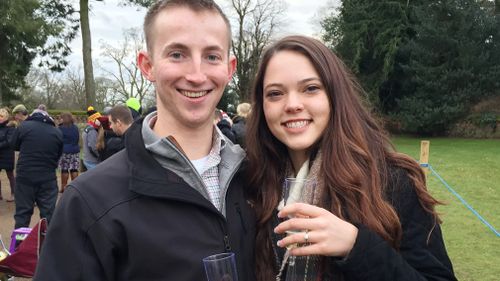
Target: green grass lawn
[[472, 169]]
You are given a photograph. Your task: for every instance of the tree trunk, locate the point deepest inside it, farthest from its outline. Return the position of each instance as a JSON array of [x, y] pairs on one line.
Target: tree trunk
[[87, 54]]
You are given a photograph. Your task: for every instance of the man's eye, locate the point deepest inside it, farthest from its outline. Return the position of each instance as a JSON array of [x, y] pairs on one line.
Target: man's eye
[[213, 57], [176, 55]]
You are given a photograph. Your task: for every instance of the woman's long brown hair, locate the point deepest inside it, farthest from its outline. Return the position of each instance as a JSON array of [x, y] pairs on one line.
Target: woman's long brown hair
[[356, 156]]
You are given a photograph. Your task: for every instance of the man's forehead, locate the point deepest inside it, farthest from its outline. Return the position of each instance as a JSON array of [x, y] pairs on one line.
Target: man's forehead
[[169, 19]]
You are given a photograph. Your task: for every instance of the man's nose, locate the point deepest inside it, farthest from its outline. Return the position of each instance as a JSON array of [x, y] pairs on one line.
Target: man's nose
[[196, 74]]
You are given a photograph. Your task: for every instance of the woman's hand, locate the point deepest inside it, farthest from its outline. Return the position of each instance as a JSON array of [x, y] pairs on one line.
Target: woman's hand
[[326, 234]]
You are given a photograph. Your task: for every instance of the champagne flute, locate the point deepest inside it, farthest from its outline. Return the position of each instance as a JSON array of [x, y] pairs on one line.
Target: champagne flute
[[221, 267], [297, 191]]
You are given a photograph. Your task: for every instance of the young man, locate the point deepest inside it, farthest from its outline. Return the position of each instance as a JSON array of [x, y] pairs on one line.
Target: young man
[[175, 194], [120, 119]]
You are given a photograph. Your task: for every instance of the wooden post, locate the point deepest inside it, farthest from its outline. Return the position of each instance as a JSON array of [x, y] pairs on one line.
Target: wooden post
[[424, 156]]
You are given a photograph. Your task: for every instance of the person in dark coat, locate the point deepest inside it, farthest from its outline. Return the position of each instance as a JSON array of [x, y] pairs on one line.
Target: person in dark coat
[[368, 214], [239, 121], [120, 119], [40, 146], [108, 142], [176, 194], [69, 164], [224, 125], [7, 154]]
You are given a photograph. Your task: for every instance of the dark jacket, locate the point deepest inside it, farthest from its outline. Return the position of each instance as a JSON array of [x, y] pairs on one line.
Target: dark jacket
[[40, 146], [71, 138], [131, 219], [6, 151], [372, 258], [239, 129], [112, 144], [225, 127]]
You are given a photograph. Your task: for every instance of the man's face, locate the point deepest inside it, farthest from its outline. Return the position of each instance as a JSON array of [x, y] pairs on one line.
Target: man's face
[[116, 126], [189, 65]]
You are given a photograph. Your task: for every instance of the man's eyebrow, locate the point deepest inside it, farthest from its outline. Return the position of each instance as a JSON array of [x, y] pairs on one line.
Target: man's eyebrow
[[214, 48], [174, 45]]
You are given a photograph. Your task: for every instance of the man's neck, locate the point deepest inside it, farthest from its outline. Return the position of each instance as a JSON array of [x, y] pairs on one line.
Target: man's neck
[[195, 142]]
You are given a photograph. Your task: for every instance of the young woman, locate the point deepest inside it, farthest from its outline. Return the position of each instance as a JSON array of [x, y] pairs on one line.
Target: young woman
[[372, 217], [7, 128], [69, 164], [108, 142]]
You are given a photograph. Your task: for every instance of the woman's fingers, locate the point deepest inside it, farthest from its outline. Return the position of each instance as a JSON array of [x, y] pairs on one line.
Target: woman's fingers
[[306, 250], [301, 210], [297, 238], [320, 232], [297, 224]]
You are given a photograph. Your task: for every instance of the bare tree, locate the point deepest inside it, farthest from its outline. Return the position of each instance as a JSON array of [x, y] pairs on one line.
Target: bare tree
[[87, 45], [43, 86], [256, 23], [126, 75], [106, 94], [74, 93]]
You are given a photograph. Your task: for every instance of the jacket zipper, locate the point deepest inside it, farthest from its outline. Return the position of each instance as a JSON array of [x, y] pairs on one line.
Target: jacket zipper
[[238, 209], [227, 244]]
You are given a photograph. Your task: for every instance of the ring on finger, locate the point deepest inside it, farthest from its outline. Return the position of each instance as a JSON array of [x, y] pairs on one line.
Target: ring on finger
[[306, 236]]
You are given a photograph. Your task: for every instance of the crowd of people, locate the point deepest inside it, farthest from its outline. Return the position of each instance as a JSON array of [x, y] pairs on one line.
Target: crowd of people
[[233, 128], [182, 188], [47, 143]]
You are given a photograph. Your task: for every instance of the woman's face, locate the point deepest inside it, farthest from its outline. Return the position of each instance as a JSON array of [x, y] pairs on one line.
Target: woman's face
[[3, 118], [296, 106], [66, 119]]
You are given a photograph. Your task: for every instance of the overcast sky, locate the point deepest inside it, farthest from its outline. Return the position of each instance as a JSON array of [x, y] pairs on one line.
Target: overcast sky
[[108, 20]]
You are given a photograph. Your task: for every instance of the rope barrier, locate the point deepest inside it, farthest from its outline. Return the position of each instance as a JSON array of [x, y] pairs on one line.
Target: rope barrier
[[462, 200]]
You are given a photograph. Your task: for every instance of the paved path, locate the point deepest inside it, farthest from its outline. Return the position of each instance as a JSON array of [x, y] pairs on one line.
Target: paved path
[[7, 210]]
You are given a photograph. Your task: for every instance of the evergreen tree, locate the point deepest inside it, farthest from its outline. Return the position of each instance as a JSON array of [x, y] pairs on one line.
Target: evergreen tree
[[423, 63], [367, 35], [25, 27], [449, 65]]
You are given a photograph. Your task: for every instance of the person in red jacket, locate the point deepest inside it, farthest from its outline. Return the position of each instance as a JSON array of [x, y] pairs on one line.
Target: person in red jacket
[[370, 216]]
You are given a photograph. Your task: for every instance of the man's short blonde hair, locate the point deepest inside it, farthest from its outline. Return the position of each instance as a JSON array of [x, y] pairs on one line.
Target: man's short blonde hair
[[243, 109]]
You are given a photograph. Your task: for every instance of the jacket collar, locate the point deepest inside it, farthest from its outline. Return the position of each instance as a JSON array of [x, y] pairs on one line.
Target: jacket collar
[[149, 178], [40, 117]]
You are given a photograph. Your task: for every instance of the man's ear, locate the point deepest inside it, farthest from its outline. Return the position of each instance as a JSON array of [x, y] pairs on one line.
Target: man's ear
[[145, 64], [231, 67]]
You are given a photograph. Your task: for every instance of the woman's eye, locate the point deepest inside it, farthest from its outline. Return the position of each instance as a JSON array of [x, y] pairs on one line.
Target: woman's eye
[[272, 94], [312, 88]]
